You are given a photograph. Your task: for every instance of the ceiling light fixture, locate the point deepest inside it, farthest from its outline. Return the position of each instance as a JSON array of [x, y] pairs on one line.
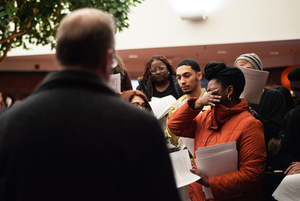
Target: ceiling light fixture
[[195, 10], [193, 15], [222, 52], [133, 56]]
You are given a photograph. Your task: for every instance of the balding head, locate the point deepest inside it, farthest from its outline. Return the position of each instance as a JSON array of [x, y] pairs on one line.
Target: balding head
[[83, 39]]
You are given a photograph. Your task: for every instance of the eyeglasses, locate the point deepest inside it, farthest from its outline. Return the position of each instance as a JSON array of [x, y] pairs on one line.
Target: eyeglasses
[[160, 68], [141, 106], [115, 62]]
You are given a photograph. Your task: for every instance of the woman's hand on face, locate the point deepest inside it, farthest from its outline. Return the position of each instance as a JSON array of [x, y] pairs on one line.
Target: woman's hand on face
[[203, 178], [210, 98]]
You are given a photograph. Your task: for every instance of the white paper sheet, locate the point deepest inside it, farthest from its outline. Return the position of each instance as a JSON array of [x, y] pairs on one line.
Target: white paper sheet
[[288, 189], [181, 166], [115, 82], [255, 83], [161, 106]]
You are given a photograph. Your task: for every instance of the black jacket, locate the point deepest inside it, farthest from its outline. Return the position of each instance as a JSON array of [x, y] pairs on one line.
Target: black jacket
[[271, 111], [75, 139], [290, 150]]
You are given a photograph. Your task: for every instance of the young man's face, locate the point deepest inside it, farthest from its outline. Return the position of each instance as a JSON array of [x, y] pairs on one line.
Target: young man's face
[[244, 64], [295, 87], [187, 78]]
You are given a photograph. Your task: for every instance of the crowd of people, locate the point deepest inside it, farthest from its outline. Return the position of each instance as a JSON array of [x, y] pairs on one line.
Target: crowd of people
[[75, 138]]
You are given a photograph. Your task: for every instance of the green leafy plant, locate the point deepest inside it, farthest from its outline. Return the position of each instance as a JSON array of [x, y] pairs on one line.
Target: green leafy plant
[[36, 21]]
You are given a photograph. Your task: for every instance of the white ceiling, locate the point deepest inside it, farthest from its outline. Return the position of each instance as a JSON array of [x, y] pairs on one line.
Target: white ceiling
[[288, 54]]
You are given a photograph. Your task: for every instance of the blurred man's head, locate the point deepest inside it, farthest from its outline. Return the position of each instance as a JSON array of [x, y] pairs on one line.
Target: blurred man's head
[[249, 60], [189, 75], [294, 78], [85, 40]]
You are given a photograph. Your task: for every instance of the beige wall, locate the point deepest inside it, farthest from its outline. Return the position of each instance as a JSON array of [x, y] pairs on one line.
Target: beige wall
[[154, 23]]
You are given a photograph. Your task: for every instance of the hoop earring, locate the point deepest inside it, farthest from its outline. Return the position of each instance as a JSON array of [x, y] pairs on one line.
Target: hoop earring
[[228, 97]]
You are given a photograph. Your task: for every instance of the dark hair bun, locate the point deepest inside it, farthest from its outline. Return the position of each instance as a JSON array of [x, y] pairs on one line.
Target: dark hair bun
[[212, 69]]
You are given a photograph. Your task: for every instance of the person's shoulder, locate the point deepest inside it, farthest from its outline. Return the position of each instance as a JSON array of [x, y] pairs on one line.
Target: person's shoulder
[[182, 98], [296, 111], [143, 83], [250, 120], [273, 92], [17, 111]]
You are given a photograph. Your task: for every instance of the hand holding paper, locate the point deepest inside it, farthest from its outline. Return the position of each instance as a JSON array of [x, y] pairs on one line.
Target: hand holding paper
[[181, 166], [216, 160], [203, 178]]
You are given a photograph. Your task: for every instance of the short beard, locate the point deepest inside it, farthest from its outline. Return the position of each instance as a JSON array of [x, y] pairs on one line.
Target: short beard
[[188, 92]]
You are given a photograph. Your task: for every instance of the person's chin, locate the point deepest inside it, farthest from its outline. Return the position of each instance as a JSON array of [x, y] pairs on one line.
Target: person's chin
[[187, 91], [159, 79]]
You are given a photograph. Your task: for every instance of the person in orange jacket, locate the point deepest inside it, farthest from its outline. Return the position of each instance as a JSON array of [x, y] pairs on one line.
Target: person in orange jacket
[[228, 120]]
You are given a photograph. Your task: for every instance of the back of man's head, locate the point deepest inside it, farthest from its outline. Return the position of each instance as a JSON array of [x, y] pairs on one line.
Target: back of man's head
[[84, 37], [190, 62], [294, 75]]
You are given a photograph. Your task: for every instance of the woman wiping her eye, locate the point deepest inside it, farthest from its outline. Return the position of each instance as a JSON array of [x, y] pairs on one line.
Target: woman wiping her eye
[[228, 120]]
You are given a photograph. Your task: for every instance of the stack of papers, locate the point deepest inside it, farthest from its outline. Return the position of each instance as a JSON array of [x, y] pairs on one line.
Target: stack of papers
[[288, 189], [216, 160], [181, 167]]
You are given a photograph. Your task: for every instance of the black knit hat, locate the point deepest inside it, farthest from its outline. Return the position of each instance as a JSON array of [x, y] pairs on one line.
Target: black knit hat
[[228, 75], [294, 75]]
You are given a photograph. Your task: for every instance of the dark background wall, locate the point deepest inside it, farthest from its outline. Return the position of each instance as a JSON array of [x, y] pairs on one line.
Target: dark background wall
[[19, 84], [22, 84]]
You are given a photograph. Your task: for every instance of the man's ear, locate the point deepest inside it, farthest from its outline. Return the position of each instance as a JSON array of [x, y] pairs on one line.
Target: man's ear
[[106, 65], [199, 76]]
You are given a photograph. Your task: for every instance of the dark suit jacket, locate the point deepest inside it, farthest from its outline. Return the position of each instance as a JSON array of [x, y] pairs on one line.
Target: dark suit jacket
[[75, 139]]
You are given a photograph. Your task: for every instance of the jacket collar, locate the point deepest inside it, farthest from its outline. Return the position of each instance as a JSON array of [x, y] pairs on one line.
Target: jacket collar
[[221, 114], [74, 78]]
